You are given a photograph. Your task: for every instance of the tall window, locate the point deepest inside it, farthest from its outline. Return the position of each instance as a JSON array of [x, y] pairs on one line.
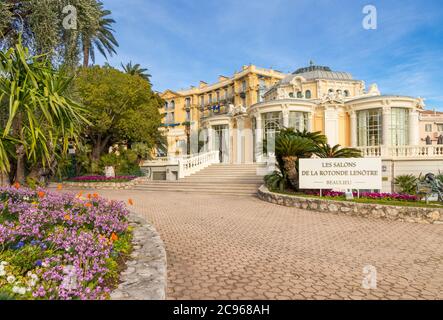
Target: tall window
[[369, 127], [218, 96], [243, 86], [308, 94], [428, 127], [210, 98], [346, 93], [272, 123], [298, 120], [188, 115], [261, 90], [173, 105], [202, 101], [188, 102], [440, 127], [399, 126], [166, 105]]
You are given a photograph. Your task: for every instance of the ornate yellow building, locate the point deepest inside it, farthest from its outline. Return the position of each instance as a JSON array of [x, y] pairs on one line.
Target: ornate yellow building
[[243, 110]]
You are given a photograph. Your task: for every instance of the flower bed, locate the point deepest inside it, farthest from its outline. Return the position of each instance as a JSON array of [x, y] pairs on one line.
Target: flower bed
[[102, 179], [367, 195], [57, 246]]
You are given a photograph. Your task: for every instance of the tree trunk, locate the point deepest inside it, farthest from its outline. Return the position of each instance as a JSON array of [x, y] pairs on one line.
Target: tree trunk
[[99, 147], [4, 181], [291, 170], [85, 55], [20, 170]]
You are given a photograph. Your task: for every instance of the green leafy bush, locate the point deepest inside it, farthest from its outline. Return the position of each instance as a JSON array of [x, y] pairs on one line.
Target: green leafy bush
[[125, 162], [407, 183], [276, 181]]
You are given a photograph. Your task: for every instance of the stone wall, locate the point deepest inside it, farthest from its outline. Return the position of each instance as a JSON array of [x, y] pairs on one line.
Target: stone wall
[[146, 275], [406, 214], [104, 185]]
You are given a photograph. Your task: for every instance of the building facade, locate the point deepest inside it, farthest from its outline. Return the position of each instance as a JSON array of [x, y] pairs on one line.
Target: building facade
[[238, 113]]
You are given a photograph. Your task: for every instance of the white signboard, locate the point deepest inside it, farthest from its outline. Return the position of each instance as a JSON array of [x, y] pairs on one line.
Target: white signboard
[[342, 174]]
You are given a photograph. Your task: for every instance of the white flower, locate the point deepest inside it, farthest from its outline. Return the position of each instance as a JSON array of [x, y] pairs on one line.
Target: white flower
[[2, 272], [45, 265], [19, 290], [3, 263], [10, 279]]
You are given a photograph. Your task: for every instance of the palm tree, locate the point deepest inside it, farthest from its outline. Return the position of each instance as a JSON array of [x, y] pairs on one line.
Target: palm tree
[[136, 70], [99, 36], [41, 118], [289, 147], [324, 150]]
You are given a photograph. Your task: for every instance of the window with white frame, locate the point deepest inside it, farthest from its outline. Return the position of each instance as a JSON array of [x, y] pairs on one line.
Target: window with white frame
[[399, 126], [369, 127], [308, 94], [440, 127], [428, 127], [298, 120]]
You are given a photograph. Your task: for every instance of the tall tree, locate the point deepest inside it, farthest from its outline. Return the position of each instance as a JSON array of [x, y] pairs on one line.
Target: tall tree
[[41, 24], [123, 108], [99, 36], [136, 70], [40, 118]]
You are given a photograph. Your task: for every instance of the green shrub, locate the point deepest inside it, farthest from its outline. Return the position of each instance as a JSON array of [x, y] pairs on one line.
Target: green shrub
[[275, 181], [407, 183], [125, 163]]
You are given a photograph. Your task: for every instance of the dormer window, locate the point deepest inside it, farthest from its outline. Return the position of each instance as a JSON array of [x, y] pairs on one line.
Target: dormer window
[[308, 94], [299, 95], [291, 94], [346, 93]]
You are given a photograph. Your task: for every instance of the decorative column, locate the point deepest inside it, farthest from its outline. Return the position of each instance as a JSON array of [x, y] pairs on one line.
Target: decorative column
[[414, 136], [285, 117], [310, 127], [258, 138], [354, 131], [331, 125], [210, 145], [239, 137], [386, 124]]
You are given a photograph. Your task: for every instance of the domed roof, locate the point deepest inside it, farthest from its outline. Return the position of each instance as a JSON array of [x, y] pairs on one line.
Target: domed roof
[[314, 72]]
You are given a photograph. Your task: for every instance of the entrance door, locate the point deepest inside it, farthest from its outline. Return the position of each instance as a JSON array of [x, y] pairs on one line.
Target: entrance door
[[221, 142]]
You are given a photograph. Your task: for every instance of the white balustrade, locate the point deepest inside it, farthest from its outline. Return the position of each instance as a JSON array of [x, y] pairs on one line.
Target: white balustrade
[[403, 152], [195, 163]]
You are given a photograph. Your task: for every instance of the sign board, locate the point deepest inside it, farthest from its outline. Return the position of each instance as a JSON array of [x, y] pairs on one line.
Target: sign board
[[341, 174]]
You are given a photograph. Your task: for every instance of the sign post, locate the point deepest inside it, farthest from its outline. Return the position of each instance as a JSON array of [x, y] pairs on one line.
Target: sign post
[[341, 174]]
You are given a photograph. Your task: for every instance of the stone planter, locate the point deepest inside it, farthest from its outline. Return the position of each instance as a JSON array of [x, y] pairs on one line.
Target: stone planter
[[393, 213], [104, 185], [145, 277]]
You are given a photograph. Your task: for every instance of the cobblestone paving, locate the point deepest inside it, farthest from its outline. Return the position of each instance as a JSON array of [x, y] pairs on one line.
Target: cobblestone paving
[[222, 247]]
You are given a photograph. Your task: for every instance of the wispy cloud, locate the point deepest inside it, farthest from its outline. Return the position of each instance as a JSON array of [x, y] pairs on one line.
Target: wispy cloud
[[182, 42]]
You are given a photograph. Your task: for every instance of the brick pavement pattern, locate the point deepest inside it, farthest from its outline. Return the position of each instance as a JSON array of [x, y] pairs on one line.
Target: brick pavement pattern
[[225, 247]]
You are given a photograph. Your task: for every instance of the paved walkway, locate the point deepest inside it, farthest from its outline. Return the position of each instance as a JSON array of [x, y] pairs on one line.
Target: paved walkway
[[222, 247]]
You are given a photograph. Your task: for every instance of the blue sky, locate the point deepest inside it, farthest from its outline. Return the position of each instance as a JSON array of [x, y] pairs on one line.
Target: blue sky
[[184, 41]]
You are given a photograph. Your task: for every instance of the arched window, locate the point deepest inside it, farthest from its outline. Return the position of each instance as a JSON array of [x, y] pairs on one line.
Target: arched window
[[166, 105], [339, 91], [299, 95], [308, 94], [346, 93], [291, 94], [172, 104], [331, 90]]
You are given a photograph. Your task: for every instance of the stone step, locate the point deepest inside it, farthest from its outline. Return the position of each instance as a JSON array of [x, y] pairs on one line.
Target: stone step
[[199, 186], [202, 191]]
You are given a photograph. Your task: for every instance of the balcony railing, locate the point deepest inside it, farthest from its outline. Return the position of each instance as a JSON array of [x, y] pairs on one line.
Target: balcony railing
[[403, 152], [215, 110]]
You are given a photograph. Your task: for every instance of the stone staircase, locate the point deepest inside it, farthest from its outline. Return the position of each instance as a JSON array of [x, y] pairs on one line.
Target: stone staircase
[[241, 179]]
